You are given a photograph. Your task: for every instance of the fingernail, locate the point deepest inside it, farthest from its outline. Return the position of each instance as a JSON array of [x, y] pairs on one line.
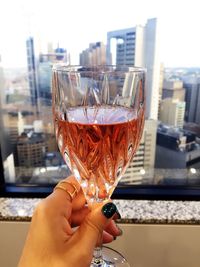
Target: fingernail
[[120, 230], [118, 214], [109, 209]]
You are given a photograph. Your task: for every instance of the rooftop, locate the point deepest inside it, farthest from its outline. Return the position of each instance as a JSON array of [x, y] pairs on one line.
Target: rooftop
[[30, 138]]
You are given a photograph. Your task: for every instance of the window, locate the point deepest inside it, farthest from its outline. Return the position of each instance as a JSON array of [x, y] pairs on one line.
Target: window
[[130, 33], [170, 145], [130, 39]]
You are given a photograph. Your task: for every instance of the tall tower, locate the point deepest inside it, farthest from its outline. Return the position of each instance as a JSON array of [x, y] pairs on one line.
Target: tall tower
[[141, 168], [138, 46], [94, 55], [192, 98], [2, 85], [32, 71], [173, 89], [172, 112]]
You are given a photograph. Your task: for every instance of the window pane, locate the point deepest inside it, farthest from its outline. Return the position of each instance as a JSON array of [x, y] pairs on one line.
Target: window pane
[[75, 33]]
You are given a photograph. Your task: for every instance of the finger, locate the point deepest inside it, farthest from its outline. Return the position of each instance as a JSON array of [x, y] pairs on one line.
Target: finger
[[61, 198], [79, 201], [92, 228], [107, 238], [113, 229], [61, 201], [78, 216], [54, 227], [70, 186], [66, 228], [71, 190]]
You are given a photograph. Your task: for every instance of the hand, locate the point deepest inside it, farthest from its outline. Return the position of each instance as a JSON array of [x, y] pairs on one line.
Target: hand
[[51, 240]]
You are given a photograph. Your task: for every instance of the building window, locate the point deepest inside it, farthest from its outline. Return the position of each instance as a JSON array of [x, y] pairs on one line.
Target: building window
[[130, 39], [171, 138], [130, 33]]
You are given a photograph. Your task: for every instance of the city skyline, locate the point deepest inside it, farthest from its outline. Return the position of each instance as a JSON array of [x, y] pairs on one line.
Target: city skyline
[[76, 26], [26, 100]]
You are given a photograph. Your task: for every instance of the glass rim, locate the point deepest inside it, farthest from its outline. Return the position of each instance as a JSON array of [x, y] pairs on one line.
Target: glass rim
[[63, 67]]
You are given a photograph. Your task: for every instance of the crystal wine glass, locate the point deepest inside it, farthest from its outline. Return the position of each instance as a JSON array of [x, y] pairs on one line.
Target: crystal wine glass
[[98, 118]]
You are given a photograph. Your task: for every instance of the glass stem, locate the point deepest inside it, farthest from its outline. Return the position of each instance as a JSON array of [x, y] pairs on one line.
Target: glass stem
[[97, 257], [97, 260]]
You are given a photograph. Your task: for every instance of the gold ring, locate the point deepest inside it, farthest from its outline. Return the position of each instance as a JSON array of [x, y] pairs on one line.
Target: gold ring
[[64, 185]]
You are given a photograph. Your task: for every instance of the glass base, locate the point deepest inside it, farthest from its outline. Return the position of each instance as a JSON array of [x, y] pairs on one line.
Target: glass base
[[110, 258]]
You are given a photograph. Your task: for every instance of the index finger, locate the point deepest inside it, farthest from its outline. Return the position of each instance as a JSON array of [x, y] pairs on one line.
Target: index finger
[[71, 189], [70, 186]]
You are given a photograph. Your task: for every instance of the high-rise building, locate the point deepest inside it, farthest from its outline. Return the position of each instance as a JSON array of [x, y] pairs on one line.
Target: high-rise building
[[160, 87], [32, 71], [46, 60], [15, 125], [172, 112], [44, 82], [176, 148], [138, 46], [6, 149], [39, 72], [142, 166], [192, 98], [61, 54], [31, 149], [54, 55], [94, 55], [2, 85], [173, 89]]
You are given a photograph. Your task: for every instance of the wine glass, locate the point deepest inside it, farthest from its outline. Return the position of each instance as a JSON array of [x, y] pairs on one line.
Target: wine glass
[[98, 118]]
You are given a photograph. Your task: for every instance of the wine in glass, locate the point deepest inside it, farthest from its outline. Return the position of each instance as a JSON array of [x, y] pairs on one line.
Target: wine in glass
[[98, 118]]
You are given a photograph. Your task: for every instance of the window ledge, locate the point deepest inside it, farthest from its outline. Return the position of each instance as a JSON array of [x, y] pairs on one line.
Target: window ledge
[[132, 211]]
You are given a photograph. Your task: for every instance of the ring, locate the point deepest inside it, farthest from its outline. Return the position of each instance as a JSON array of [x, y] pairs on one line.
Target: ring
[[69, 188]]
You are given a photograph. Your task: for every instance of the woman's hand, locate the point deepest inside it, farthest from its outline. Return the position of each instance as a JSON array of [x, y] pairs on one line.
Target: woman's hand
[[53, 242]]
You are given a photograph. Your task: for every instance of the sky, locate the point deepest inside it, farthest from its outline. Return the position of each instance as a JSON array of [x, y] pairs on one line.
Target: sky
[[76, 23]]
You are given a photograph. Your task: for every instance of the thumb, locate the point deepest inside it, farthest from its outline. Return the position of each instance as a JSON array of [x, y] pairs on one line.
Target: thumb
[[95, 222]]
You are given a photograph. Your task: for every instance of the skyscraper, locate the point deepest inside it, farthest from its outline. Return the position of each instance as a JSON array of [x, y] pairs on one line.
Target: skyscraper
[[142, 165], [161, 80], [176, 148], [39, 72], [14, 125], [44, 82], [138, 46], [2, 85], [45, 62], [94, 55], [32, 71], [6, 149], [54, 55], [172, 112], [192, 98], [31, 149], [173, 89]]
